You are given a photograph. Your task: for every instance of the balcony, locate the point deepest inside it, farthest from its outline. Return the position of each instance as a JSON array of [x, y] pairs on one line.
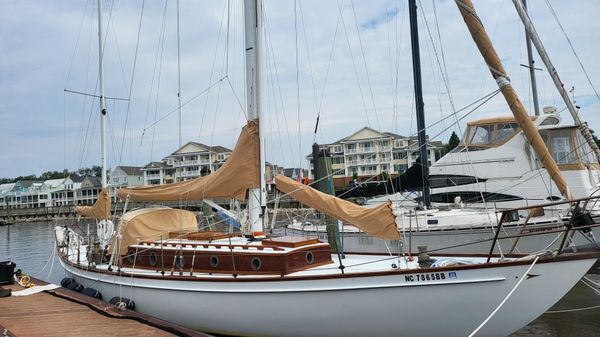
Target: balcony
[[189, 173]]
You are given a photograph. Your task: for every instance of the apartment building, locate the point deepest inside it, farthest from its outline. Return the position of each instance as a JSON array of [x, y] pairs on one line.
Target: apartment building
[[369, 152], [190, 161]]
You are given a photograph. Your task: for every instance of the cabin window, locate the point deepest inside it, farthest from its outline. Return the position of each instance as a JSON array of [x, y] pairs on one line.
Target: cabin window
[[562, 149], [152, 259], [504, 131], [255, 263], [481, 135], [310, 257], [214, 261], [131, 256]]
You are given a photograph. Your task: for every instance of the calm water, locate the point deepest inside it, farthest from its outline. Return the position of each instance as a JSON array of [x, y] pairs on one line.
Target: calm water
[[30, 246]]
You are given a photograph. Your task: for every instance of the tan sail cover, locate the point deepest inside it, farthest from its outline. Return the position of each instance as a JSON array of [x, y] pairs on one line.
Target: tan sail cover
[[99, 210], [379, 221], [238, 174], [149, 224]]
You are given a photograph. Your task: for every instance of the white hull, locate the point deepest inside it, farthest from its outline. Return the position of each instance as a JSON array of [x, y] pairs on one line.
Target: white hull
[[385, 305]]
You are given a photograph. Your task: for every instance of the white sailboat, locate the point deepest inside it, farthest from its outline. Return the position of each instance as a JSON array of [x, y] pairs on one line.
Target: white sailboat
[[258, 286]]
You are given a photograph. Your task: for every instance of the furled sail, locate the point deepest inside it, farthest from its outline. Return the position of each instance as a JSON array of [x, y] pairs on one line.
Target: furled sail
[[149, 224], [232, 180], [379, 221], [99, 210]]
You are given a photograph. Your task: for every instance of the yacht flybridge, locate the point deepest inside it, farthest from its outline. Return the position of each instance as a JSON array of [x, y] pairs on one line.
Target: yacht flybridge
[[254, 285]]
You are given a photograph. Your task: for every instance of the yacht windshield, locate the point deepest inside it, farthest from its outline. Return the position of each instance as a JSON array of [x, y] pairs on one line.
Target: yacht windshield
[[504, 131], [481, 135]]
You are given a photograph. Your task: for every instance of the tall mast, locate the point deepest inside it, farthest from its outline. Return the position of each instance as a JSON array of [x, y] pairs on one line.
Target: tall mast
[[492, 60], [530, 65], [252, 30], [531, 32], [414, 39], [102, 100], [178, 75]]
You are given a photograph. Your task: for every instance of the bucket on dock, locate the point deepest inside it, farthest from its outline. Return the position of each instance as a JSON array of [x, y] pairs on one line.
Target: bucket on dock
[[7, 270]]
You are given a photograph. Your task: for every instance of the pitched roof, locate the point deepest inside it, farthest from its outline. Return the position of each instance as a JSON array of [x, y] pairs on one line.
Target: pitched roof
[[216, 149], [28, 183], [131, 170], [95, 181], [76, 178], [155, 164]]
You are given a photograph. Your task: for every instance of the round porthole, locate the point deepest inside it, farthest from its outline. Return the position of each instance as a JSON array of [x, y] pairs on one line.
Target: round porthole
[[310, 257], [214, 261], [179, 260], [152, 259], [131, 256], [255, 263]]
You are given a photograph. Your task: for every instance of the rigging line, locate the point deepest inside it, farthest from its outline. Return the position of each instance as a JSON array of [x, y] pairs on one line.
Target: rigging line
[[184, 104], [236, 97], [160, 62], [355, 67], [446, 81], [269, 47], [365, 64], [212, 70], [572, 48], [312, 77], [119, 55], [152, 83], [227, 38], [337, 25], [70, 67], [179, 71], [271, 91], [128, 111], [82, 130], [297, 81]]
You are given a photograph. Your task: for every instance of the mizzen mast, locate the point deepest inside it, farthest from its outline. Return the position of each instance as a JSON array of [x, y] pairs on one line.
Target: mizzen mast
[[252, 32], [491, 58], [533, 35]]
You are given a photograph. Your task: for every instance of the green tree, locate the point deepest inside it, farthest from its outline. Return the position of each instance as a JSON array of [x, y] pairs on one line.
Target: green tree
[[595, 138], [452, 143]]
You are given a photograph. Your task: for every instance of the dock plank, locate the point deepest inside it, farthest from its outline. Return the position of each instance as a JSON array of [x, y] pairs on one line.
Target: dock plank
[[44, 314]]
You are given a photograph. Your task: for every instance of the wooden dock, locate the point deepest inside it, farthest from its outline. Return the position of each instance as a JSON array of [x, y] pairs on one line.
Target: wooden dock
[[62, 312]]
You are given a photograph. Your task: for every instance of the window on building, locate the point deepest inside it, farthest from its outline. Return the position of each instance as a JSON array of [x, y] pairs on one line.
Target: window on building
[[400, 155], [337, 160], [400, 168]]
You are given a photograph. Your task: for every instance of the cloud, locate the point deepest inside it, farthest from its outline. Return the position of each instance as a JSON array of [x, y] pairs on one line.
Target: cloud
[[39, 60]]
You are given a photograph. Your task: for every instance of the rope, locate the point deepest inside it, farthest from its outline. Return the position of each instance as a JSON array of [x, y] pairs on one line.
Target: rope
[[573, 49], [506, 298]]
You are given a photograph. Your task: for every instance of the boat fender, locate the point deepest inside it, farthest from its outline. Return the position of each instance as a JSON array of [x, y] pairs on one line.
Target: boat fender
[[92, 293], [75, 286], [66, 281], [122, 303]]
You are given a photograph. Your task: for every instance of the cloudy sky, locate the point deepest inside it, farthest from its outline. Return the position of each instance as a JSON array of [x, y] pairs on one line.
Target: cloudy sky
[[347, 61]]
